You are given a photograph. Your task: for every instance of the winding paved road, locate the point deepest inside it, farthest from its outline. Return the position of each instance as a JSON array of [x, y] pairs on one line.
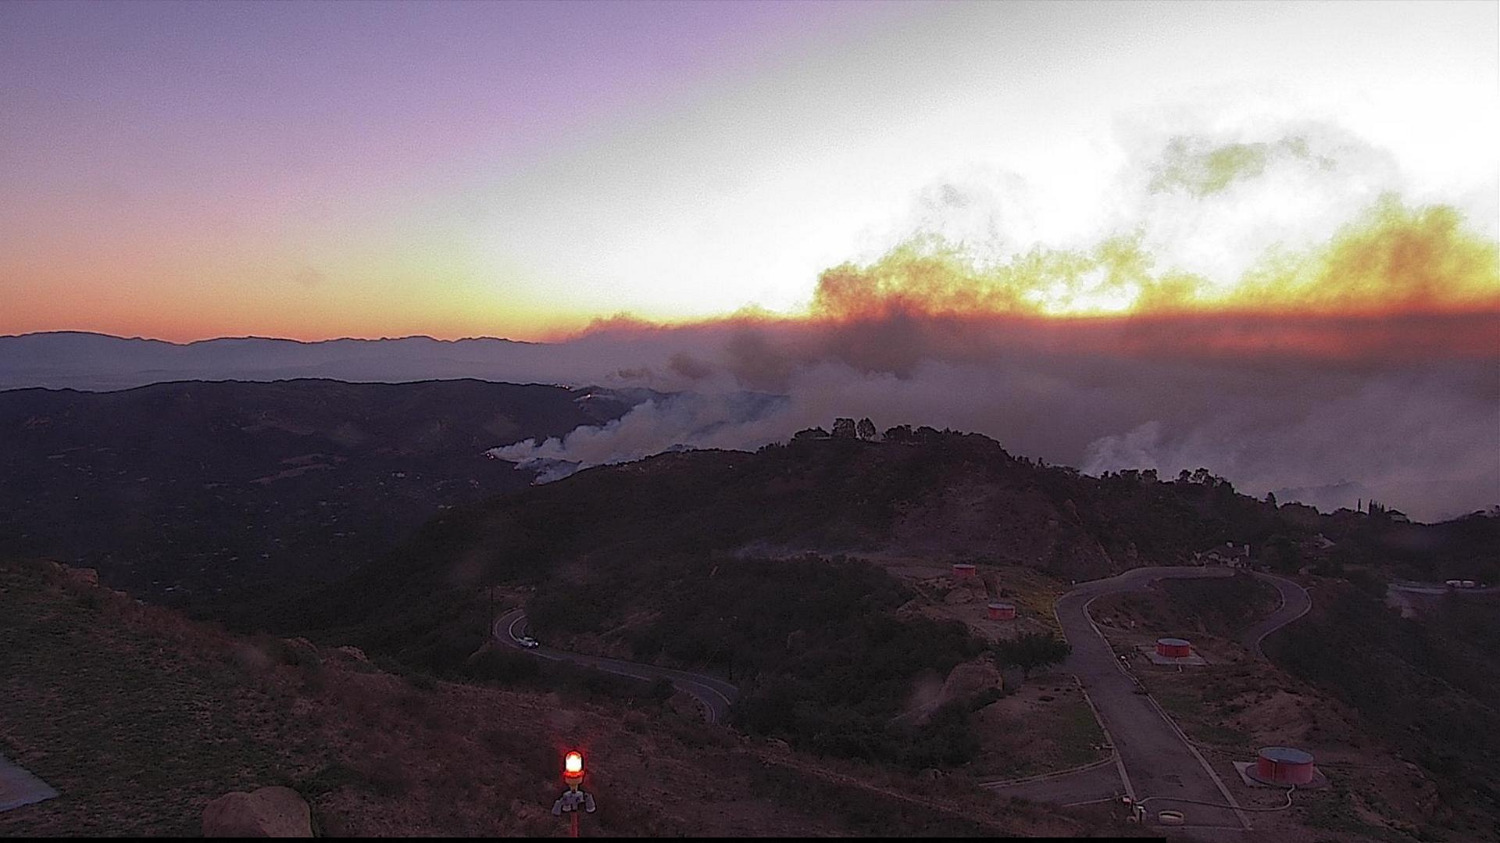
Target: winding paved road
[[1154, 762], [715, 694], [1294, 604]]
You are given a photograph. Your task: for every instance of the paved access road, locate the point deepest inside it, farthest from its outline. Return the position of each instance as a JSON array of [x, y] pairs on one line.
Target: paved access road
[[1155, 764], [715, 694], [1294, 604], [1436, 588]]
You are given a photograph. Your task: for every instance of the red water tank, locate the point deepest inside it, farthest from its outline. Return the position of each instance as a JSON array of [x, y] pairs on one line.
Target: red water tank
[[1002, 611], [1173, 648], [1284, 765], [963, 570]]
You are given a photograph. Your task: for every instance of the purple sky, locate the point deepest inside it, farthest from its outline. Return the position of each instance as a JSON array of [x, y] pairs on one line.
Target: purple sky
[[110, 90], [184, 170]]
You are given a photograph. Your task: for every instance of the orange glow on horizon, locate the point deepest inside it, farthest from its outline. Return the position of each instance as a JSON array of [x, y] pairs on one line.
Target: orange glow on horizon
[[1394, 262]]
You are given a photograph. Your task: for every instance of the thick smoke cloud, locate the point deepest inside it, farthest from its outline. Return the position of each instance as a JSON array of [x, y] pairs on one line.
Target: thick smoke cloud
[[1421, 434], [1258, 299]]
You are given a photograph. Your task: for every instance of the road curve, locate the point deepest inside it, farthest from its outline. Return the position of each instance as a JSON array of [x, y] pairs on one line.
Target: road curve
[[1155, 763], [715, 694], [1295, 603]]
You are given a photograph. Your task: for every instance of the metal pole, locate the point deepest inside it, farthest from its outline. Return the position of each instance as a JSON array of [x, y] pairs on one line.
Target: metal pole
[[575, 824]]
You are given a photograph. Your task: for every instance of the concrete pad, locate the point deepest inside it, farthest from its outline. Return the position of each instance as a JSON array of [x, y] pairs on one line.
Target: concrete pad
[[1149, 651], [1319, 781], [18, 787]]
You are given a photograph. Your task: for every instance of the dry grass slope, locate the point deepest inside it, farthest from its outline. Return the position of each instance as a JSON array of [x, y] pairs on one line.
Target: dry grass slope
[[140, 717]]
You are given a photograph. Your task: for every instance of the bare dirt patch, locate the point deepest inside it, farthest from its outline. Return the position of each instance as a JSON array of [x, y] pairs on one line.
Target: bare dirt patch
[[1044, 726], [943, 596]]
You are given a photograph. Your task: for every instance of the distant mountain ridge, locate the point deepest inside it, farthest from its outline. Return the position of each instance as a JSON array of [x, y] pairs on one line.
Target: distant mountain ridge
[[98, 362]]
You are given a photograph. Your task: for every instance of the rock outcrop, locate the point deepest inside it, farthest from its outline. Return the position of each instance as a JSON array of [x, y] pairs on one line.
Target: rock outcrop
[[267, 812], [964, 680]]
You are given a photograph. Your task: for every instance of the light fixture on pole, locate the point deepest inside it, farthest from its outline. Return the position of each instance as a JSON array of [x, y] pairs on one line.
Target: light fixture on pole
[[574, 798]]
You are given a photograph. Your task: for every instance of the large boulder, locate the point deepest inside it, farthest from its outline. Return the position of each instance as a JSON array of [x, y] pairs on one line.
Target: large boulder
[[965, 680], [968, 679], [267, 812]]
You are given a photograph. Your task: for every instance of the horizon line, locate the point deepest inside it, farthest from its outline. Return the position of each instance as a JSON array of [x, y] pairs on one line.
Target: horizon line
[[186, 343]]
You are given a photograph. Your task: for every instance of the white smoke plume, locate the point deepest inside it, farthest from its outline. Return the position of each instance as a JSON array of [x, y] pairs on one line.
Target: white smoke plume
[[697, 420]]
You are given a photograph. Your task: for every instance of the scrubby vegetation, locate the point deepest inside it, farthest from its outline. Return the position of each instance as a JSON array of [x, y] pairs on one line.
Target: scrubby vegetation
[[822, 659], [1430, 686], [98, 699], [572, 684], [1031, 651], [163, 714]]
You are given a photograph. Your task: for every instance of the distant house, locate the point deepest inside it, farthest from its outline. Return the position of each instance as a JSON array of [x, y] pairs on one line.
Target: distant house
[[811, 433], [1229, 554]]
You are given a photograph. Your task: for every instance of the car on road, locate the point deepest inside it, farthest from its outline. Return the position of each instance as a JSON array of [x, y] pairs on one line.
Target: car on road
[[528, 642]]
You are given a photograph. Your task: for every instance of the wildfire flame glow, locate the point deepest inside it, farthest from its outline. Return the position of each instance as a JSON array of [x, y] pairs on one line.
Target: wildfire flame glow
[[1394, 259]]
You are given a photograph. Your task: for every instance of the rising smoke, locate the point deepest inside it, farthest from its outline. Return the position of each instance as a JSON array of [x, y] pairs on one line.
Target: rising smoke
[[1269, 308]]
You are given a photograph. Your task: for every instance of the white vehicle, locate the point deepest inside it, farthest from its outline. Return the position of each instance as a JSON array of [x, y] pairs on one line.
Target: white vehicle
[[528, 642]]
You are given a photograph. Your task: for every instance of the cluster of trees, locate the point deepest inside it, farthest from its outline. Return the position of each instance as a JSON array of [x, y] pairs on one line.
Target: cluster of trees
[[843, 428], [815, 645], [864, 429], [1031, 651], [1219, 606], [1202, 477]]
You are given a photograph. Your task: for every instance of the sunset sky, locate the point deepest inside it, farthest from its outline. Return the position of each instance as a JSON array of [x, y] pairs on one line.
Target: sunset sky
[[315, 170]]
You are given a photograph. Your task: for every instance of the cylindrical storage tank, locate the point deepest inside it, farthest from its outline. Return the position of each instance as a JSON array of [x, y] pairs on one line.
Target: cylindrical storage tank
[[963, 570], [1002, 611], [1284, 765], [1173, 648]]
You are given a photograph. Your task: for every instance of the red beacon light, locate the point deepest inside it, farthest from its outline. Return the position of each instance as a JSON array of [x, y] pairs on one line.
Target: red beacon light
[[574, 799]]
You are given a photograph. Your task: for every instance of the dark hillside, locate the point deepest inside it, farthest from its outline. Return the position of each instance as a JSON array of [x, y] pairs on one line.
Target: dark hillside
[[930, 493], [644, 536], [163, 715], [950, 494], [823, 658], [1464, 548], [194, 487], [1430, 685], [714, 560]]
